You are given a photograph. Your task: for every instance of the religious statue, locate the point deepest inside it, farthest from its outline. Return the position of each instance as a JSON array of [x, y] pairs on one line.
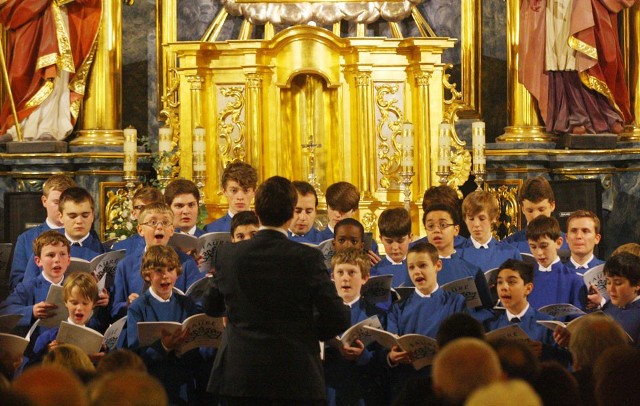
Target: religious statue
[[570, 61], [50, 49]]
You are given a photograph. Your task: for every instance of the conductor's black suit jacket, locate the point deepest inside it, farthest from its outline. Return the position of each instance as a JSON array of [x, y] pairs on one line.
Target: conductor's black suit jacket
[[280, 302]]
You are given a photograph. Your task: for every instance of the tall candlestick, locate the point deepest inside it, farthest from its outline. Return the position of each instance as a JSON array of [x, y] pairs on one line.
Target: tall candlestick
[[164, 139], [130, 149], [444, 141], [407, 147], [479, 158], [199, 150]]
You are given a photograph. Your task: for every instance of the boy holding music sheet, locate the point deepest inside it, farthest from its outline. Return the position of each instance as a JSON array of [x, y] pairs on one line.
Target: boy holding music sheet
[[353, 372]]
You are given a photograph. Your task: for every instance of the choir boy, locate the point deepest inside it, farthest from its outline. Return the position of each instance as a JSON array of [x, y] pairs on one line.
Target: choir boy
[[395, 233], [76, 212], [553, 281], [302, 227], [441, 195], [244, 226], [156, 227], [183, 197], [480, 211], [583, 234], [141, 198], [23, 250], [353, 373], [239, 180]]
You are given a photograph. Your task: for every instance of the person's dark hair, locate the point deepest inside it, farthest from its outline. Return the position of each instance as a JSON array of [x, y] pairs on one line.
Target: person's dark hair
[[517, 360], [556, 386], [625, 265], [454, 212], [121, 360], [440, 195], [456, 326], [425, 247], [349, 222], [149, 194], [616, 375], [276, 199], [342, 196], [76, 195], [180, 187], [240, 172], [243, 218], [536, 190], [304, 188], [395, 223], [543, 226], [524, 269]]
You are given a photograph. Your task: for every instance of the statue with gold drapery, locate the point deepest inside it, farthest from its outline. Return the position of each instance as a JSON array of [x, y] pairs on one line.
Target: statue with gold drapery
[[50, 47]]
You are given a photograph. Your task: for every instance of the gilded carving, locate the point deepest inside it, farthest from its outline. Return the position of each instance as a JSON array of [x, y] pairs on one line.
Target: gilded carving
[[509, 219], [196, 82], [171, 114], [389, 120], [369, 221], [231, 125], [254, 80], [363, 79], [423, 78]]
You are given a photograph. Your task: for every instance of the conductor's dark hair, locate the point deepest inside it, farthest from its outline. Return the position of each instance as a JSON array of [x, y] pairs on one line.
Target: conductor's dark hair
[[275, 201]]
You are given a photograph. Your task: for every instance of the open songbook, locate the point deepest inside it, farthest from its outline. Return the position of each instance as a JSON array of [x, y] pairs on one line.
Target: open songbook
[[467, 288], [510, 332], [595, 276], [204, 331], [13, 345], [103, 267], [60, 313], [205, 245], [377, 288], [9, 321], [561, 310], [357, 332], [89, 340], [422, 348]]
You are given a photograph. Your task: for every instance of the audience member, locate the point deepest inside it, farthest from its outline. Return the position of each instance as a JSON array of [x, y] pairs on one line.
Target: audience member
[[556, 386], [616, 377], [71, 357], [50, 385], [505, 393], [120, 360], [517, 360], [127, 388]]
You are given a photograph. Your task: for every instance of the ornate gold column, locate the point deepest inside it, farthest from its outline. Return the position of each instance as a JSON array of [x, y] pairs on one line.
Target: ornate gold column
[[364, 117], [254, 118], [524, 125], [186, 141], [631, 52], [422, 125], [100, 122]]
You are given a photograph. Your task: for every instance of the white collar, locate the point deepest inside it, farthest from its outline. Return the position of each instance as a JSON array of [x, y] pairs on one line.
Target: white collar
[[350, 304], [278, 229], [50, 281], [478, 245], [519, 315], [581, 266], [230, 214], [549, 268], [449, 257], [396, 263], [80, 241], [70, 321], [158, 298], [51, 225], [429, 295], [192, 231]]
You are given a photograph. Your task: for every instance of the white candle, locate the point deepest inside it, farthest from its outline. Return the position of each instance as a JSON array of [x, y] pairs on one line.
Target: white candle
[[199, 150], [164, 139], [444, 141], [407, 147], [130, 148], [478, 140]]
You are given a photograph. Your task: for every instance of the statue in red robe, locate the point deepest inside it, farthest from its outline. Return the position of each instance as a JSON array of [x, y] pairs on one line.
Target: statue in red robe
[[50, 48], [570, 61]]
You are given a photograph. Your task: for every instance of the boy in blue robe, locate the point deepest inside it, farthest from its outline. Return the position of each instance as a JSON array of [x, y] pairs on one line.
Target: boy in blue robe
[[239, 181], [583, 234], [76, 212], [395, 232], [441, 195], [141, 198], [353, 374], [160, 269], [553, 281], [23, 250], [536, 198], [183, 197], [302, 228], [244, 226], [422, 311], [514, 284], [480, 210], [156, 227], [623, 286]]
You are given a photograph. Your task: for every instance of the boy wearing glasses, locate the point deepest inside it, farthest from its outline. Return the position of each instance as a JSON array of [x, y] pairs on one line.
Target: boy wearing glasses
[[156, 228], [141, 198]]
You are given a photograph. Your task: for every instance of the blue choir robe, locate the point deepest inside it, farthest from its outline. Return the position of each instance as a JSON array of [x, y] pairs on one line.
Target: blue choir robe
[[628, 317], [177, 374], [489, 258], [361, 381], [312, 237], [560, 285], [21, 301], [220, 225], [132, 244], [592, 263], [91, 248], [399, 271], [519, 240], [455, 268], [535, 331], [23, 252], [128, 280], [458, 241]]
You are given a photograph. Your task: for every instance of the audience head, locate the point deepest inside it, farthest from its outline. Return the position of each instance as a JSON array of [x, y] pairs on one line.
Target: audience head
[[350, 271], [544, 237], [395, 232], [51, 191], [71, 357], [505, 393], [463, 366], [632, 248], [127, 388], [536, 198], [591, 336], [458, 325], [517, 360], [442, 223], [77, 210], [304, 214], [616, 376], [342, 201], [239, 180], [144, 196], [275, 200], [160, 269], [348, 232], [156, 224], [119, 361], [51, 385], [244, 225], [556, 386], [479, 211], [622, 272], [51, 252], [183, 197], [423, 265]]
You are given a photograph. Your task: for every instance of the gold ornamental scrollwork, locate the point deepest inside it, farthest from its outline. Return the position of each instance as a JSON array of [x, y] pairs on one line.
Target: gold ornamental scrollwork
[[254, 80], [388, 129], [423, 78], [170, 112], [363, 79], [231, 126], [369, 221], [509, 218]]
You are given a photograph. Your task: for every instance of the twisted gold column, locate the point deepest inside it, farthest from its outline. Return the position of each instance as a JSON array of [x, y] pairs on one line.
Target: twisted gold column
[[524, 125], [422, 125], [632, 50], [254, 119], [364, 117], [101, 119]]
